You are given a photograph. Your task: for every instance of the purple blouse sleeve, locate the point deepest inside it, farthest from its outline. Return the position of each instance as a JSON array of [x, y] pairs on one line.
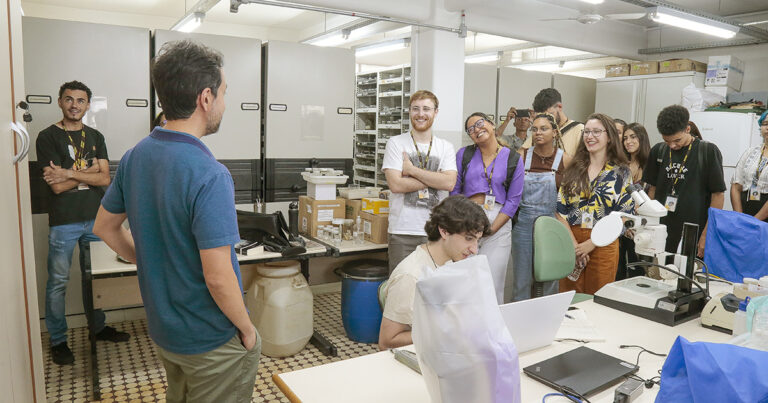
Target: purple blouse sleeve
[[457, 188], [515, 191]]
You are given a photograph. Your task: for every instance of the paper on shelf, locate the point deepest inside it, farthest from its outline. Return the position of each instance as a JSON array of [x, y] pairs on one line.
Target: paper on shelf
[[578, 328]]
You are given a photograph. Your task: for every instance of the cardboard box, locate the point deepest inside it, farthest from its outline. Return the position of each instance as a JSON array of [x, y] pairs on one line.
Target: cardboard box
[[725, 71], [375, 227], [722, 91], [318, 212], [375, 206], [321, 192], [617, 70], [353, 208], [675, 65], [643, 68]]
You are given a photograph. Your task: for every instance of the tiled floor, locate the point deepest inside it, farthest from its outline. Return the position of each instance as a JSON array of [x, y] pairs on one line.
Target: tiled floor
[[132, 372]]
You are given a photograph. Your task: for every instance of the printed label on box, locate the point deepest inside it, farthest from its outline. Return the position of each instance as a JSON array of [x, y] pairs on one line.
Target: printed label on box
[[324, 215], [303, 224], [367, 227]]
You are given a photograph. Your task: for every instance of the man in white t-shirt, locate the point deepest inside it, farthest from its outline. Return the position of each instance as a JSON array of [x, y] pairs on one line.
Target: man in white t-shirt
[[420, 170], [453, 230]]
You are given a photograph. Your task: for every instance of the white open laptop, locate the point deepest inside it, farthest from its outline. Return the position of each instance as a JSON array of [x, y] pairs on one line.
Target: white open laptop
[[534, 323]]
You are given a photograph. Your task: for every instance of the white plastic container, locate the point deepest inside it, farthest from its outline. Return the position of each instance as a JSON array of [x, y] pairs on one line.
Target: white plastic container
[[740, 319], [280, 306]]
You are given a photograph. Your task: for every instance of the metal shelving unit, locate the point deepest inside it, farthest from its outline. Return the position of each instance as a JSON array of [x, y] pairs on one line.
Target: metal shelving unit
[[381, 111]]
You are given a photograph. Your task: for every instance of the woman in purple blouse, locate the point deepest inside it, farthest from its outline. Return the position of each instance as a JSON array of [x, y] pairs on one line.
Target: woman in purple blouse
[[484, 180]]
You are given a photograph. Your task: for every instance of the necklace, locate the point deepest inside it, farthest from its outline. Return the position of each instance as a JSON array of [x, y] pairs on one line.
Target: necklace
[[426, 246], [543, 158]]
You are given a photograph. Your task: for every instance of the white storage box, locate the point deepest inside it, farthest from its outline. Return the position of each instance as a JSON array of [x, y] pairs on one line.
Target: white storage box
[[725, 71], [321, 192], [723, 91], [353, 193]]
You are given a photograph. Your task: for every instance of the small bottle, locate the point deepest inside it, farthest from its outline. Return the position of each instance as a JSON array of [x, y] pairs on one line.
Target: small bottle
[[336, 237], [740, 318], [357, 235]]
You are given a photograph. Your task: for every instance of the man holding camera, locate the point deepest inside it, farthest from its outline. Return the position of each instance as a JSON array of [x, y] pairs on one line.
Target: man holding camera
[[522, 119]]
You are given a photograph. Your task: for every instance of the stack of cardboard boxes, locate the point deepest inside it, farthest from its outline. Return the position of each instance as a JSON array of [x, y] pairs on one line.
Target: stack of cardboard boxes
[[373, 212], [724, 75], [654, 67]]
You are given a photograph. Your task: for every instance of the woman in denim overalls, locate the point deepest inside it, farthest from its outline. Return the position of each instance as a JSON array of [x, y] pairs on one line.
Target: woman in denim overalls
[[539, 199]]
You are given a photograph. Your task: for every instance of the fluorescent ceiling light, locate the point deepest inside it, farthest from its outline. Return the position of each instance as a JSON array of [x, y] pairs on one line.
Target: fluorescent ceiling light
[[189, 22], [593, 1], [692, 22], [382, 47], [547, 67], [482, 58], [328, 39]]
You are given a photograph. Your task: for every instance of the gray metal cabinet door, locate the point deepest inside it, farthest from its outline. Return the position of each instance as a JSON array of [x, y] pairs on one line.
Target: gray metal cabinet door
[[578, 95], [618, 98], [518, 87], [480, 90], [305, 88], [661, 92], [239, 136], [110, 60]]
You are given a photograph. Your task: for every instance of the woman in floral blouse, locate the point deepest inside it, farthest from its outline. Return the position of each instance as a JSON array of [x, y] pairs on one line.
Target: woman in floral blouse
[[749, 186], [594, 185]]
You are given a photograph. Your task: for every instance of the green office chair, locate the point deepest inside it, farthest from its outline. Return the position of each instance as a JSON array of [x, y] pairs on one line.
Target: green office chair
[[553, 253]]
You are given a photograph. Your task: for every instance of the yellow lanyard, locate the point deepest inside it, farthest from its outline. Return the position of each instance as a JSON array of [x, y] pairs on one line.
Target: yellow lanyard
[[79, 152], [680, 169], [422, 162], [493, 167]]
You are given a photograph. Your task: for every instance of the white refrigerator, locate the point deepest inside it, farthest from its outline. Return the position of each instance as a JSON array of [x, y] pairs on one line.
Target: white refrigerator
[[733, 133]]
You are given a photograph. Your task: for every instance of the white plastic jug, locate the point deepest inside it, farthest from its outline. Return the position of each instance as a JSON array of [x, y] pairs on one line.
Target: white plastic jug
[[280, 306]]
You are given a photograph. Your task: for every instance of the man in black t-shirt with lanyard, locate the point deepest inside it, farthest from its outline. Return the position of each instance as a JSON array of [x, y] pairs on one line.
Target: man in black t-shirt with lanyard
[[76, 166], [685, 175]]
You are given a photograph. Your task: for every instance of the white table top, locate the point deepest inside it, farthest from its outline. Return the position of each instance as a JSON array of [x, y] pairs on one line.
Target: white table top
[[379, 378], [350, 246], [104, 260]]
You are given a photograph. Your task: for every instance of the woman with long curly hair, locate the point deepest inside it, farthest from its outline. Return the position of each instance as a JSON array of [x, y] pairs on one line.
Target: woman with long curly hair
[[594, 185]]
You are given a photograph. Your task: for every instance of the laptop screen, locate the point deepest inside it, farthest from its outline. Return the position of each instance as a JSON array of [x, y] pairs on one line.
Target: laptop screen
[[533, 323]]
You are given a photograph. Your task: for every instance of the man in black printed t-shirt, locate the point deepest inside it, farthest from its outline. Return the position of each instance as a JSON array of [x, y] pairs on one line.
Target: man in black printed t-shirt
[[686, 176], [76, 169]]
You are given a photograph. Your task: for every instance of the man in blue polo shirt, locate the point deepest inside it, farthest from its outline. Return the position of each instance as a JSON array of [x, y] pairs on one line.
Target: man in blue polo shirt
[[179, 202]]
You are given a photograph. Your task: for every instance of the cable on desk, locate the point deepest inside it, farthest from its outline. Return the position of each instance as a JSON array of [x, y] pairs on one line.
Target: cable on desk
[[571, 398], [576, 340], [642, 350], [650, 381]]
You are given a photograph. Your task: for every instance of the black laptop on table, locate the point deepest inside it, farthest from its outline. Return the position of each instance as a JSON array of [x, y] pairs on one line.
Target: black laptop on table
[[582, 370]]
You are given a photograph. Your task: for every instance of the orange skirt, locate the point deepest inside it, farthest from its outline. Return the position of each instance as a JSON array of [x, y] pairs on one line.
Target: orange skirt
[[601, 268]]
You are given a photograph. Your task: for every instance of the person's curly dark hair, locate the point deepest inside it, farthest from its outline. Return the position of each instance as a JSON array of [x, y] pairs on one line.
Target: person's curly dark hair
[[672, 119], [545, 99], [457, 215]]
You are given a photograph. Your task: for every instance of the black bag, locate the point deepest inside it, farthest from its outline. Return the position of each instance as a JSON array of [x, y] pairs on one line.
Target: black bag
[[271, 230]]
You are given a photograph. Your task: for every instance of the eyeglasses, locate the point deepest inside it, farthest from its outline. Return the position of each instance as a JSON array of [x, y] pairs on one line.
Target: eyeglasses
[[416, 109], [476, 126], [595, 133]]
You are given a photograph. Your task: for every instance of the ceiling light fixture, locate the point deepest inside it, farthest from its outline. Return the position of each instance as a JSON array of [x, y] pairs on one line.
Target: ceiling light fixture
[[332, 38], [679, 19], [593, 1], [382, 47], [189, 22], [482, 57]]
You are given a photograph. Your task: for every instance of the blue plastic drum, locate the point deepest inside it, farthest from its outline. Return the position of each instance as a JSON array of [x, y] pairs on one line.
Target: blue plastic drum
[[360, 311]]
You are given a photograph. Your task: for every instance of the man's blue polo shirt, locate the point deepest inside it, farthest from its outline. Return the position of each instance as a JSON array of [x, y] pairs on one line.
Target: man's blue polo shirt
[[178, 200]]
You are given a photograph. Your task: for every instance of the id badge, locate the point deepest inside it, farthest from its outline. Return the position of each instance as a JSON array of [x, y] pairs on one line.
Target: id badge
[[587, 221], [671, 203], [490, 200], [82, 186], [754, 194], [424, 194]]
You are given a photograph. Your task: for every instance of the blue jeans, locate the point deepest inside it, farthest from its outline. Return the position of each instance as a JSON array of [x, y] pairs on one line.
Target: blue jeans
[[61, 244]]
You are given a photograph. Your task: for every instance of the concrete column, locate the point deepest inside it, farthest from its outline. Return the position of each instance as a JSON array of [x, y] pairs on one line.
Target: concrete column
[[437, 58]]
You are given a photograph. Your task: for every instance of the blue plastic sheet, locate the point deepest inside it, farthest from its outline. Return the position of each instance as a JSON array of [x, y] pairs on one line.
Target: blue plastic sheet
[[736, 245], [713, 372]]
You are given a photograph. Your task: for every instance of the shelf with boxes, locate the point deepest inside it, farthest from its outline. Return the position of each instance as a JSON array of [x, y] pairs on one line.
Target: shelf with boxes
[[379, 117]]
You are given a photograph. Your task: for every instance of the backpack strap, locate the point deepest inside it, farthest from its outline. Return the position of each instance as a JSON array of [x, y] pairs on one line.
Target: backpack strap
[[469, 152], [568, 127], [511, 165]]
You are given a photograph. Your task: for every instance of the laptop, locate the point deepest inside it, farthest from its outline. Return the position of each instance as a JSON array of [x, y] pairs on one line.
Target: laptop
[[582, 370], [533, 323]]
